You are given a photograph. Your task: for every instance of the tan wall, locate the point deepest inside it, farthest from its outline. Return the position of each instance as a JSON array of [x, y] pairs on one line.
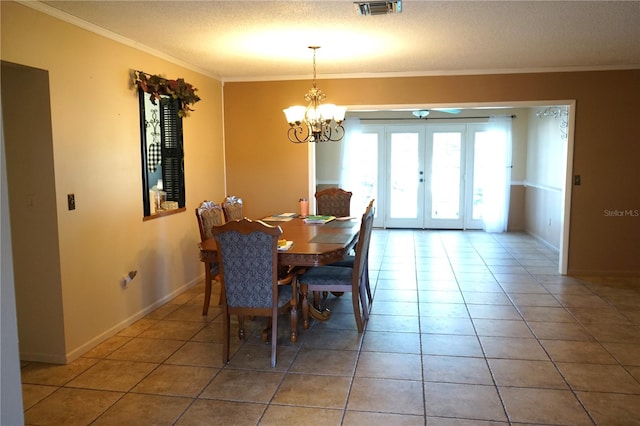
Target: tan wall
[[96, 152], [606, 147]]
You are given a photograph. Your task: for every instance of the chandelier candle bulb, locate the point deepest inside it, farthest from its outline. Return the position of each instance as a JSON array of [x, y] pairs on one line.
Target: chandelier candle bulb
[[317, 122]]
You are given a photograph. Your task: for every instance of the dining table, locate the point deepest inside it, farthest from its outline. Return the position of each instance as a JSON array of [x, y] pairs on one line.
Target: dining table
[[314, 244]]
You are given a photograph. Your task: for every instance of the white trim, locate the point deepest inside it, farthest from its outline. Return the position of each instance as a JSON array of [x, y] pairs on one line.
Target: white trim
[[84, 348]]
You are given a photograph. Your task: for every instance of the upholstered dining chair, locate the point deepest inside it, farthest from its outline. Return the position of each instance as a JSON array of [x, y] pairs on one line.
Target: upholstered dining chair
[[333, 202], [248, 259], [209, 214], [349, 261], [232, 207], [324, 279]]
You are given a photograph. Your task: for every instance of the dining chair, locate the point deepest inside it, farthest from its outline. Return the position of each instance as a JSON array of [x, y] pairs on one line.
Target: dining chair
[[232, 207], [349, 261], [333, 202], [325, 279], [209, 214], [248, 259]]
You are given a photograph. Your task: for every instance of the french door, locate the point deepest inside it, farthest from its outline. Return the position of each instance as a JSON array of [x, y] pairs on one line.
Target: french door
[[429, 179]]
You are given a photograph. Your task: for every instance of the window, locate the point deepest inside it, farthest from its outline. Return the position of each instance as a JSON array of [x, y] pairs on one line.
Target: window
[[163, 189]]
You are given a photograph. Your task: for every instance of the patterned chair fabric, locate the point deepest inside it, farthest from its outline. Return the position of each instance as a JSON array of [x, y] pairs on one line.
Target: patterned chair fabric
[[209, 214], [232, 207], [333, 202], [248, 258], [329, 278], [349, 262]]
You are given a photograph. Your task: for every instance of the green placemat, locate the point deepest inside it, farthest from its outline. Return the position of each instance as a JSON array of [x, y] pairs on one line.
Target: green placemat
[[331, 238]]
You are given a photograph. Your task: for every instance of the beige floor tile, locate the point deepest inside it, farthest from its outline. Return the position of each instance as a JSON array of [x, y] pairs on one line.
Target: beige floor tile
[[444, 325], [445, 310], [212, 332], [32, 394], [625, 353], [313, 391], [577, 351], [471, 402], [70, 407], [193, 313], [559, 331], [174, 330], [359, 418], [543, 406], [200, 354], [486, 298], [493, 312], [342, 340], [329, 362], [137, 327], [37, 373], [502, 328], [513, 348], [212, 412], [162, 311], [144, 409], [386, 365], [279, 415], [599, 378], [538, 299], [258, 357], [545, 313], [386, 396], [453, 369], [612, 408], [393, 323], [442, 344], [526, 373], [444, 421], [146, 350], [243, 385], [113, 375], [614, 333], [382, 341], [176, 380], [107, 347]]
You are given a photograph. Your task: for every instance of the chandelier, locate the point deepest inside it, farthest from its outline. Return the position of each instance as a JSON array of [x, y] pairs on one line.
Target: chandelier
[[317, 122]]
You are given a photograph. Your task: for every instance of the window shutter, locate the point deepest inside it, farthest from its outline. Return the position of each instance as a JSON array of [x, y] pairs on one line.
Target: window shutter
[[172, 152]]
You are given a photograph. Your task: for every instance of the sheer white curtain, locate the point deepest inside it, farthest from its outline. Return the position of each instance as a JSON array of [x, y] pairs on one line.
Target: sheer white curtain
[[351, 161], [498, 188]]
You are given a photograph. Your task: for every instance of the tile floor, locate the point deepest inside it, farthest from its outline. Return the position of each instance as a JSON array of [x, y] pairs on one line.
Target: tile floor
[[467, 328]]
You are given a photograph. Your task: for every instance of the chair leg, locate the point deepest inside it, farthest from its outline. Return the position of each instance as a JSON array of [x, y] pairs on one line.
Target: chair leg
[[241, 327], [294, 320], [225, 337], [274, 337], [355, 298], [305, 306], [207, 289]]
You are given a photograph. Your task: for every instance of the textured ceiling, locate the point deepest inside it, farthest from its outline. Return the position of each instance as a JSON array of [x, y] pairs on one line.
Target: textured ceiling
[[260, 40]]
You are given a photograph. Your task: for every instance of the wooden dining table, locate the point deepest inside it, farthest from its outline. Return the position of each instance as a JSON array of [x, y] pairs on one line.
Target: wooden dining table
[[313, 245]]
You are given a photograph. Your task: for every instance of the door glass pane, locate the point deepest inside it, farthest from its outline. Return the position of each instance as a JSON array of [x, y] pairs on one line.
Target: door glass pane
[[445, 175], [482, 153], [404, 173]]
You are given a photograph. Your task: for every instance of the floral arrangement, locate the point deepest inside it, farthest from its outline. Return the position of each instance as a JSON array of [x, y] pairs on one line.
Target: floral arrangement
[[158, 86]]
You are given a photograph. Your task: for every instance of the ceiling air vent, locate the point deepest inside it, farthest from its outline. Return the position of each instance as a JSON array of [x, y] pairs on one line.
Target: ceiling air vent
[[378, 7]]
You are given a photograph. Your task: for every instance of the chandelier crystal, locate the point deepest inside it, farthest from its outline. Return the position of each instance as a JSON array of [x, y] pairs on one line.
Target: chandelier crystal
[[317, 122]]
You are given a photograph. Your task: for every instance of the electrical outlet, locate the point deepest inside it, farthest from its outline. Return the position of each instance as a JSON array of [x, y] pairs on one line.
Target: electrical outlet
[[71, 201]]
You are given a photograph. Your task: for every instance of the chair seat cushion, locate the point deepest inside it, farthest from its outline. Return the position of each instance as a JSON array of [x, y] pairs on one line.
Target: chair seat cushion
[[347, 262], [327, 275], [284, 295]]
